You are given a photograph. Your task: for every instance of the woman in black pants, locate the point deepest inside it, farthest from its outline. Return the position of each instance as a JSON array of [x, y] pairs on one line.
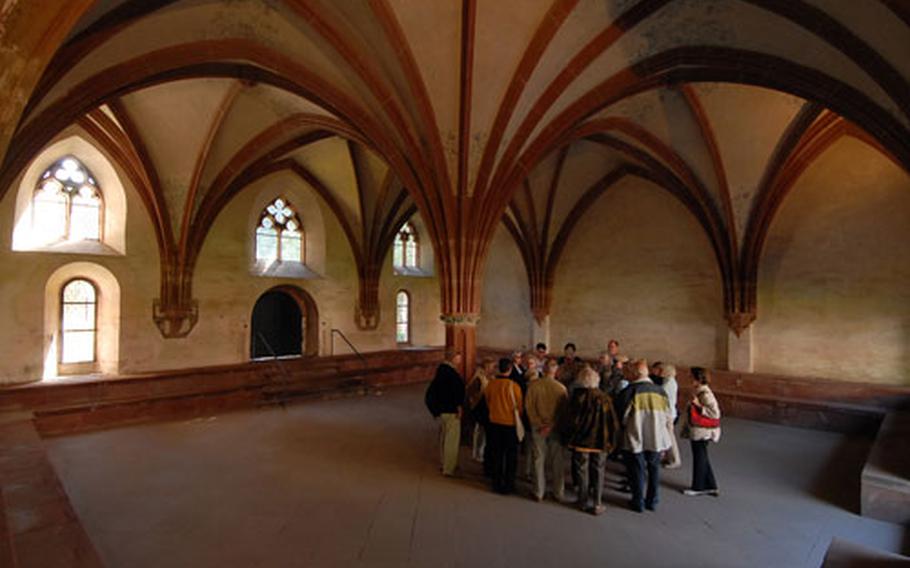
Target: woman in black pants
[[703, 428]]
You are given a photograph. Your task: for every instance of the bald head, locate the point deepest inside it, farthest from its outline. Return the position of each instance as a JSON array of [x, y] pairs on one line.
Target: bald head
[[641, 368]]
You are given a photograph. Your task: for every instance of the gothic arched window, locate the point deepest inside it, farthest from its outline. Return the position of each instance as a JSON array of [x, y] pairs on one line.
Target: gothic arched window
[[67, 204], [402, 317], [279, 234], [405, 252], [78, 322]]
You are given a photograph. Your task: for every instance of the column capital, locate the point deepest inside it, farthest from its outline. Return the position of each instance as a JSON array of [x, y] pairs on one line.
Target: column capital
[[740, 321], [460, 319], [175, 320]]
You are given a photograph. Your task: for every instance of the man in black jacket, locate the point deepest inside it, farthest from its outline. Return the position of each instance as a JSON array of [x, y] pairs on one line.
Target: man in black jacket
[[445, 399]]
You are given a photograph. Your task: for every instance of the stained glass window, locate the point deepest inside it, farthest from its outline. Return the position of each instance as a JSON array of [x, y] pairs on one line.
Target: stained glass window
[[403, 317], [279, 235], [404, 250], [78, 322], [67, 203]]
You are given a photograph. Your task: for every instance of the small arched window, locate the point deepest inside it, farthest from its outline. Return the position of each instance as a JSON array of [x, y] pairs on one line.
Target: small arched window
[[405, 252], [403, 317], [67, 203], [279, 234], [78, 322]]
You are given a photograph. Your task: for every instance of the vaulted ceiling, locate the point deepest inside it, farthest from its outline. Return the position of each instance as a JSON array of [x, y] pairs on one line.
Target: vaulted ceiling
[[469, 110]]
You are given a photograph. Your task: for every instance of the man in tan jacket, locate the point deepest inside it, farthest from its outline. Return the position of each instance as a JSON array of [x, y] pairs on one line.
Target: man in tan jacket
[[546, 400]]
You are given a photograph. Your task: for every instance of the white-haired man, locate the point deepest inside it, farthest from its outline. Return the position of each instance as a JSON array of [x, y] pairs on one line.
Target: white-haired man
[[672, 459], [589, 428]]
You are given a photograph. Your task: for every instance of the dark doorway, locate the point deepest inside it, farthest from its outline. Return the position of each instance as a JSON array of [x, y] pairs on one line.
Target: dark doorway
[[277, 326]]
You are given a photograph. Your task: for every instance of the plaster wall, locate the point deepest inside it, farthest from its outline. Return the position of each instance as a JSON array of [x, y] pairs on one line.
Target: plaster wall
[[224, 286], [639, 268], [505, 311], [23, 279], [833, 292]]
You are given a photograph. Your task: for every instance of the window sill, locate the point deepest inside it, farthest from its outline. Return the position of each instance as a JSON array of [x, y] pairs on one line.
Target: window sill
[[277, 358], [412, 272], [69, 369], [96, 248], [279, 269]]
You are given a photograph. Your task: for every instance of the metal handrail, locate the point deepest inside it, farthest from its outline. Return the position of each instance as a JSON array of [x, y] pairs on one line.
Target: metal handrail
[[351, 345], [275, 357]]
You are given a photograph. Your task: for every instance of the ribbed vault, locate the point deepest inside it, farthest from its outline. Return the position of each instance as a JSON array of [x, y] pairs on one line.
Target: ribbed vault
[[466, 111]]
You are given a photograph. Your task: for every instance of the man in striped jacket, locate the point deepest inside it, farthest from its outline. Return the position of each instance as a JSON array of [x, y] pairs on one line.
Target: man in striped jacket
[[646, 420]]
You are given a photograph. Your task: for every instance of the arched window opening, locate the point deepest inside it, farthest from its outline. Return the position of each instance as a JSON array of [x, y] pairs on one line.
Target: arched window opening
[[403, 317], [405, 251], [279, 234], [79, 322], [67, 204]]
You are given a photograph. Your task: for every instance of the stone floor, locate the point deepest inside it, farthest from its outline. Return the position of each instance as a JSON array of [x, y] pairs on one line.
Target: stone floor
[[354, 482]]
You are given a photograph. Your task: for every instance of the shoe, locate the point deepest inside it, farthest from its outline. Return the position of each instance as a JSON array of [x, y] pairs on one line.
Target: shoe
[[536, 498], [636, 508], [713, 492], [694, 493], [597, 510], [651, 506], [672, 465]]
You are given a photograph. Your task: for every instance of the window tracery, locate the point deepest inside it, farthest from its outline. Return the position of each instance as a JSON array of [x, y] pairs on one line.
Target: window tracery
[[67, 203], [279, 234]]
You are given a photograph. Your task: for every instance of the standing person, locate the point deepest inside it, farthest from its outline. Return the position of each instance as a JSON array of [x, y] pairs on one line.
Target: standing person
[[611, 374], [523, 373], [646, 420], [533, 368], [444, 399], [618, 359], [672, 459], [568, 365], [655, 373], [478, 407], [517, 370], [540, 350], [704, 411], [613, 350], [589, 429], [545, 404], [504, 400]]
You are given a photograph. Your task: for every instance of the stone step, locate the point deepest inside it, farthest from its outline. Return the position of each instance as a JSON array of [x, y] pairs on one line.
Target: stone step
[[845, 554], [87, 415], [885, 482]]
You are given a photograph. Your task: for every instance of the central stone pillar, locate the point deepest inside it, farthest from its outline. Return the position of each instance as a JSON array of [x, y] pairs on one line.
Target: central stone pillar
[[461, 335]]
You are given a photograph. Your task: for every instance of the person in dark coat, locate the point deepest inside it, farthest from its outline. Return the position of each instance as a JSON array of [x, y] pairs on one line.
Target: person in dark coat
[[589, 428], [517, 371], [445, 399], [569, 365]]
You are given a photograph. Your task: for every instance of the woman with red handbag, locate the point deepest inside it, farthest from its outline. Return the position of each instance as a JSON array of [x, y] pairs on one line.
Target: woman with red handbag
[[703, 427]]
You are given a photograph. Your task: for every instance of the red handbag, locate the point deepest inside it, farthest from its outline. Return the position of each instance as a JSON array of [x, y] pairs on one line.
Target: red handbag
[[699, 420]]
